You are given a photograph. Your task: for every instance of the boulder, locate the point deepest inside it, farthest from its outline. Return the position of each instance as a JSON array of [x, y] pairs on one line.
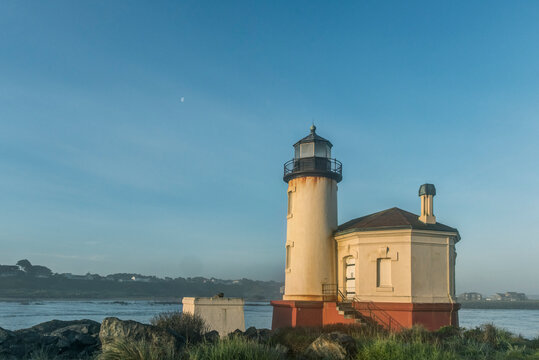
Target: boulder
[[334, 345], [114, 329], [88, 326], [259, 335], [212, 336], [235, 333], [251, 333]]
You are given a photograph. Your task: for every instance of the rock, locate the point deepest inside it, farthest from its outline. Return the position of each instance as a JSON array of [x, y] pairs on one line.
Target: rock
[[59, 339], [259, 335], [212, 336], [264, 335], [5, 334], [251, 333], [334, 345], [282, 349], [46, 328], [114, 329], [235, 333]]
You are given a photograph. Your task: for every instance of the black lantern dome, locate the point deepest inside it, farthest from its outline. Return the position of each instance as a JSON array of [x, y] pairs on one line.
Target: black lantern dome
[[312, 157]]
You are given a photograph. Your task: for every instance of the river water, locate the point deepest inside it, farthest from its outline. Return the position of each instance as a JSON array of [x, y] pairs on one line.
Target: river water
[[17, 315]]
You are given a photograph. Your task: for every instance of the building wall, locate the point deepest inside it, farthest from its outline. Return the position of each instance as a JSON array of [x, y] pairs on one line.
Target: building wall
[[367, 248], [433, 268], [421, 265], [310, 247], [222, 314]]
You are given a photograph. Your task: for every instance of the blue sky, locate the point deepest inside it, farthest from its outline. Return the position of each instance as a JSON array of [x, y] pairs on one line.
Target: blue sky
[[104, 169]]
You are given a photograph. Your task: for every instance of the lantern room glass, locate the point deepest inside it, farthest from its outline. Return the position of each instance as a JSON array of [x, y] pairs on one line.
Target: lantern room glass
[[312, 149], [322, 149]]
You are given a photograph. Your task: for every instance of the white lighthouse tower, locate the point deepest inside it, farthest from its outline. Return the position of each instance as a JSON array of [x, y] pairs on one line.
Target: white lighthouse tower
[[312, 177]]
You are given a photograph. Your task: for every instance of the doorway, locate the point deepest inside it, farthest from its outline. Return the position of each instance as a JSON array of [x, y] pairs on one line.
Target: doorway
[[350, 278]]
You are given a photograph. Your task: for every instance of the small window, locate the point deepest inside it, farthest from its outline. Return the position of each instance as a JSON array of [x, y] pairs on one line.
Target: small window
[[383, 272], [290, 199], [288, 258]]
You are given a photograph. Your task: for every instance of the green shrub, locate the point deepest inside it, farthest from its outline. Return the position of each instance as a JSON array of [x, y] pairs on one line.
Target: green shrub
[[356, 330], [447, 332], [295, 339], [416, 334], [43, 353], [136, 350], [191, 327], [298, 339], [534, 343], [393, 349], [236, 348]]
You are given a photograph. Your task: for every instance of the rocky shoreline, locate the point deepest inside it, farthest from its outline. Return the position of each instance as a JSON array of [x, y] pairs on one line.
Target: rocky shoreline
[[78, 339], [84, 339], [182, 338]]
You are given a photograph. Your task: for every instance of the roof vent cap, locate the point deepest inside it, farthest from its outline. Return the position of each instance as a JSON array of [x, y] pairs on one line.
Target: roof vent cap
[[427, 189]]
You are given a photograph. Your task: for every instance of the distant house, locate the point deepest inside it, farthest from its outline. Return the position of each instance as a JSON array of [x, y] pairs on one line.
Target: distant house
[[509, 296], [88, 276], [470, 296]]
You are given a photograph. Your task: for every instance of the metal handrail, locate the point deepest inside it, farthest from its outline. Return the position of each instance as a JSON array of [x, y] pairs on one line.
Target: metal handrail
[[389, 322], [314, 163], [376, 315], [329, 292]]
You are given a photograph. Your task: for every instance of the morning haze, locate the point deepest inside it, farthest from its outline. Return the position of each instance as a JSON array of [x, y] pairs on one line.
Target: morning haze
[[150, 138]]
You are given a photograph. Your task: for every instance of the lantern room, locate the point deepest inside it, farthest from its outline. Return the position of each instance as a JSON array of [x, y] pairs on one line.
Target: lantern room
[[312, 157], [312, 145]]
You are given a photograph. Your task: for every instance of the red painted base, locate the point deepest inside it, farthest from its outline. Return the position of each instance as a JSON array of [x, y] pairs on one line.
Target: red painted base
[[431, 316], [289, 313]]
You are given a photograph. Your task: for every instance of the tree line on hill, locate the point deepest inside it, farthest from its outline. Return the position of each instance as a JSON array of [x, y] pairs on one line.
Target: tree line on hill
[[27, 281]]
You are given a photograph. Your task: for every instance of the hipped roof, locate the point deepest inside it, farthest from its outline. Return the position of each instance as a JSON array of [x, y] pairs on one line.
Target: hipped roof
[[393, 218]]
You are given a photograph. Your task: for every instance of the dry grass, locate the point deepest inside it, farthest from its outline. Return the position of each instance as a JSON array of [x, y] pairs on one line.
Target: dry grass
[[191, 327]]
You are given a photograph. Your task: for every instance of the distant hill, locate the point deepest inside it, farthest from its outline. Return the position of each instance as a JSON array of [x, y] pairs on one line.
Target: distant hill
[[27, 281]]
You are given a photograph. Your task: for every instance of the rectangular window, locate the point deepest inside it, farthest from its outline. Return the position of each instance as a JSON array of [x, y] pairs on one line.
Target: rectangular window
[[383, 272], [288, 249], [290, 197]]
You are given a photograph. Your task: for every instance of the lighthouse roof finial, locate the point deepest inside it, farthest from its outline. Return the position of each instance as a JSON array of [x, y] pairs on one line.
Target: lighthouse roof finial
[[313, 137]]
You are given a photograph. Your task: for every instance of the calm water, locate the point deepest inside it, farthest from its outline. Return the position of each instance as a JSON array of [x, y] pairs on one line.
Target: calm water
[[15, 315]]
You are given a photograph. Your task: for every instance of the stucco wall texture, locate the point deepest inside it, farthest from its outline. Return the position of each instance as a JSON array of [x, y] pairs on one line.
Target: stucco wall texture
[[222, 314], [311, 221]]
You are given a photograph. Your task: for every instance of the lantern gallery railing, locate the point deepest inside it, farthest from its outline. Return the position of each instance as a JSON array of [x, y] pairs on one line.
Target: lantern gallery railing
[[313, 166]]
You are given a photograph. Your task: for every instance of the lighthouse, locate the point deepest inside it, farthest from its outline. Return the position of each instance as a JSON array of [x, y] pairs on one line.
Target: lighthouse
[[312, 177], [310, 266], [392, 267]]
